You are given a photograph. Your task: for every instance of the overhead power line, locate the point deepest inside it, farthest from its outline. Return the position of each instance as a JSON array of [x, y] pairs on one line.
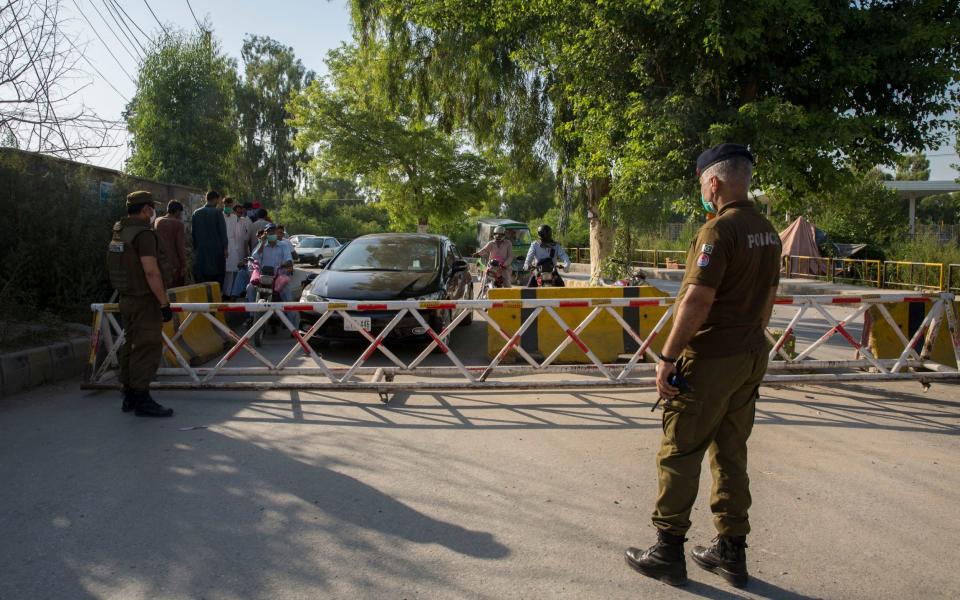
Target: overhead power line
[[117, 5], [94, 67], [194, 15], [133, 54], [105, 45], [155, 18], [125, 30]]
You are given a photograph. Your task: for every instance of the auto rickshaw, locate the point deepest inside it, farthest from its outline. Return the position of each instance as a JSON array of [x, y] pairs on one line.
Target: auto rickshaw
[[518, 234]]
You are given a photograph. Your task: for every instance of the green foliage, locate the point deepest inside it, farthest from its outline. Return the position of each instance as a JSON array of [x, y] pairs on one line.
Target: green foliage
[[913, 167], [316, 213], [182, 117], [942, 208], [924, 249], [269, 166], [419, 172], [577, 234], [863, 210], [635, 90], [56, 259], [527, 199]]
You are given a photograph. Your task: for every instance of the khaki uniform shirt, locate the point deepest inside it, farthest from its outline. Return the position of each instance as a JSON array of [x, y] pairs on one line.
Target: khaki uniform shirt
[[738, 255]]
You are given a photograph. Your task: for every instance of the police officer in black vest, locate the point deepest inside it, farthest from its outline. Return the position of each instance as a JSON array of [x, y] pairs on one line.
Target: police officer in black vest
[[140, 273]]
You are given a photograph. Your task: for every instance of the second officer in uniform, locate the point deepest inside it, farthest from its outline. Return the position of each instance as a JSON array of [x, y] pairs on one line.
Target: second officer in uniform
[[717, 346], [139, 272]]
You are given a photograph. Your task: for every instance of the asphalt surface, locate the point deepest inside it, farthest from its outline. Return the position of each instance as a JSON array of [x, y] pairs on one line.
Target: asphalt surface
[[461, 495]]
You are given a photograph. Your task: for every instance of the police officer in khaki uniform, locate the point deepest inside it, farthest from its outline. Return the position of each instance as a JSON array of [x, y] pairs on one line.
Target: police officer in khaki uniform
[[140, 273], [718, 349]]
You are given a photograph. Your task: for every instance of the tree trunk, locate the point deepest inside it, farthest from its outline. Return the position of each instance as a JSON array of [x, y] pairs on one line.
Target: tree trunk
[[601, 229]]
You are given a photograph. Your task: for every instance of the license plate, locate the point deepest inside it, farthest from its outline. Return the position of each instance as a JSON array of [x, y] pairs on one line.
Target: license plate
[[357, 324]]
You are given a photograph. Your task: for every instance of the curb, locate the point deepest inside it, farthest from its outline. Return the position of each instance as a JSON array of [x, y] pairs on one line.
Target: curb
[[43, 364]]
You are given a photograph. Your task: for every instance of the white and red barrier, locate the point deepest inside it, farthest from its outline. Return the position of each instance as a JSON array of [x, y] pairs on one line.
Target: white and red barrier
[[408, 376]]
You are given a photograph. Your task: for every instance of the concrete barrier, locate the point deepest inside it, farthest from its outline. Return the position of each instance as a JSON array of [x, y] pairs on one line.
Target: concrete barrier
[[604, 335], [885, 343], [200, 341]]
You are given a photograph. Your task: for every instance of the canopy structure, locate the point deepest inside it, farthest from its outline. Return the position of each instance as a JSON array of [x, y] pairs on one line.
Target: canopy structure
[[915, 190], [799, 240]]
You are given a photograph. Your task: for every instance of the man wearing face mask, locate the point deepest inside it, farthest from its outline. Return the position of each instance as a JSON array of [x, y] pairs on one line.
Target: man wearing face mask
[[139, 272], [718, 349], [271, 253], [231, 220]]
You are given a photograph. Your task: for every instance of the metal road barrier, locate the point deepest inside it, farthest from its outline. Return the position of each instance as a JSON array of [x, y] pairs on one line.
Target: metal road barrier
[[664, 259], [953, 279], [302, 367], [914, 275], [843, 270]]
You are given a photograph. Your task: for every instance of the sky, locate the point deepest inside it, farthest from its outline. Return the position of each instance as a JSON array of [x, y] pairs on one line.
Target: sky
[[312, 28]]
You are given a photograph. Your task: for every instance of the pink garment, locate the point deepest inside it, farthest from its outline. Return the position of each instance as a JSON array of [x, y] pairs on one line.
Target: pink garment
[[279, 281], [502, 251]]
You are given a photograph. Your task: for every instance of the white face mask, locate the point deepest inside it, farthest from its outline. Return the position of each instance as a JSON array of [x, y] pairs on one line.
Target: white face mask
[[153, 217]]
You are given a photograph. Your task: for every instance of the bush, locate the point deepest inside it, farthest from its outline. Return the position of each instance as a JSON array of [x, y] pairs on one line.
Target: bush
[[924, 249], [54, 259], [316, 215]]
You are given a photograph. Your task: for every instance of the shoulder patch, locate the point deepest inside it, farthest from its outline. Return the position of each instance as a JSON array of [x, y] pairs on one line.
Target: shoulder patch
[[703, 260], [706, 249]]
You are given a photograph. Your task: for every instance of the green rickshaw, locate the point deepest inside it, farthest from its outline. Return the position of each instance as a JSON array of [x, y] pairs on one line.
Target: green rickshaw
[[518, 234]]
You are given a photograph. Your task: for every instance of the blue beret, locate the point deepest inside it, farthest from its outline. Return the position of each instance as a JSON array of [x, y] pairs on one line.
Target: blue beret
[[721, 152]]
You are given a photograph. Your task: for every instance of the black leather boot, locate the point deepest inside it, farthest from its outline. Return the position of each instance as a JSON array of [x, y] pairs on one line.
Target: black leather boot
[[727, 557], [148, 407], [664, 560], [129, 401]]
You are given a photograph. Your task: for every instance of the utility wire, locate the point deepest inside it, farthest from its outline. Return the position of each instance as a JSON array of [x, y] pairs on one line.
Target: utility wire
[[117, 5], [155, 18], [94, 67], [105, 45], [124, 29], [194, 16], [135, 57]]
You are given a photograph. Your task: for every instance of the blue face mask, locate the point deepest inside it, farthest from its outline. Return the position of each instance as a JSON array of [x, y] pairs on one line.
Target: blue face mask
[[227, 210], [706, 205], [271, 238]]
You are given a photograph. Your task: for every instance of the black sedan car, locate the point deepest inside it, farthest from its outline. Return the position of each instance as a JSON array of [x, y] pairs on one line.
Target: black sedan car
[[389, 266]]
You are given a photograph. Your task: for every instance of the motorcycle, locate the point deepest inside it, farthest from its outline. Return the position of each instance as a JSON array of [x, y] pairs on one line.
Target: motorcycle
[[492, 277], [268, 284], [546, 273]]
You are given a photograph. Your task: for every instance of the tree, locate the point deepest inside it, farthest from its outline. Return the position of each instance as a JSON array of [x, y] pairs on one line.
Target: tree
[[626, 94], [37, 110], [183, 117], [420, 173], [269, 164], [913, 167]]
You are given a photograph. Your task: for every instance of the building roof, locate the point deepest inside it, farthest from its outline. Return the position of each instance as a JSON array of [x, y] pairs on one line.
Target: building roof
[[921, 189]]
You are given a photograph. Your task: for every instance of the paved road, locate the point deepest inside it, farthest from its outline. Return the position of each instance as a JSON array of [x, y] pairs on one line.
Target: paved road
[[461, 495]]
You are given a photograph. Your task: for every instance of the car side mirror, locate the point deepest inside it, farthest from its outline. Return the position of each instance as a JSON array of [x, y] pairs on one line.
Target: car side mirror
[[323, 263], [459, 265]]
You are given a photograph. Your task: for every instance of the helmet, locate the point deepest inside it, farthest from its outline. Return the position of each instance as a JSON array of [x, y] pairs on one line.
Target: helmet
[[545, 233], [500, 230]]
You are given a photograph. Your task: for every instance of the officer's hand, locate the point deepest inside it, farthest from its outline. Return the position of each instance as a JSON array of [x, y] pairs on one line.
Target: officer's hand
[[167, 313], [664, 371]]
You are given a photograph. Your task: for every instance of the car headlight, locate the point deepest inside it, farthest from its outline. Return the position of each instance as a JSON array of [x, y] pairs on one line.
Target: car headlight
[[309, 296]]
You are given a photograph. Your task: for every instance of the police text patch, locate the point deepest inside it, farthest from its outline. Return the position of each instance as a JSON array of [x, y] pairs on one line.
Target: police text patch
[[116, 247], [759, 240]]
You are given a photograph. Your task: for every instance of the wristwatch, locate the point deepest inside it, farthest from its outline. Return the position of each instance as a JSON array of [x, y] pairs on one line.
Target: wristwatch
[[666, 359]]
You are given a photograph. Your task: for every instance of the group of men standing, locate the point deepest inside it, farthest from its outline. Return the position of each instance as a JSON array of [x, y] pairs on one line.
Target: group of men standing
[[222, 233]]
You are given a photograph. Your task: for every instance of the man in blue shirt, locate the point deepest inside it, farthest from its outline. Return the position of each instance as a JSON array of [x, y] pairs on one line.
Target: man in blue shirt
[[271, 253]]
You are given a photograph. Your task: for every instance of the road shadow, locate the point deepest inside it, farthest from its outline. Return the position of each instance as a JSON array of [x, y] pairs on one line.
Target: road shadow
[[756, 588], [841, 406], [229, 515]]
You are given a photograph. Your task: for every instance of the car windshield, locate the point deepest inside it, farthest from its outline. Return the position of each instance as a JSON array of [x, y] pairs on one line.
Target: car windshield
[[388, 254], [311, 243]]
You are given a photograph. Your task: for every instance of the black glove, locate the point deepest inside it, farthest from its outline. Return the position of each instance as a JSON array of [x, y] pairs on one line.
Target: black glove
[[167, 313]]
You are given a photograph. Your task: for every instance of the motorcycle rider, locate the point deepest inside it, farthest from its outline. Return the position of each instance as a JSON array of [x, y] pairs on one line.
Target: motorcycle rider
[[271, 253], [500, 249], [546, 249]]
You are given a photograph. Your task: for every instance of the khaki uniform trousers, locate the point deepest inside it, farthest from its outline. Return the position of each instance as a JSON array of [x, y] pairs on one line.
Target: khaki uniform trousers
[[716, 417], [143, 343]]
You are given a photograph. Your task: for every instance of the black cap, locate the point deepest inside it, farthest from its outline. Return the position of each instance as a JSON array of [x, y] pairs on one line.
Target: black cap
[[721, 152]]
